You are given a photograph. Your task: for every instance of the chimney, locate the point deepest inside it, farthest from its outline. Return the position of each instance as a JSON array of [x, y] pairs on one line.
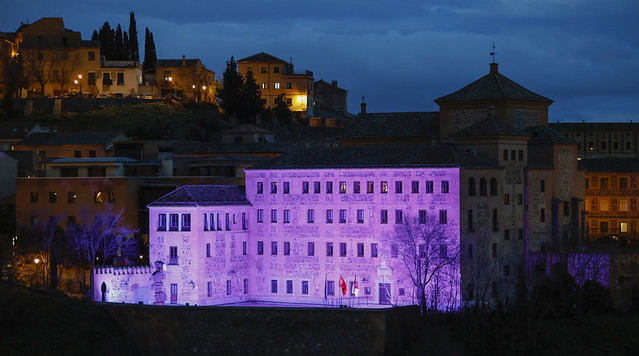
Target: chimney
[[183, 61], [493, 68], [334, 83], [363, 107]]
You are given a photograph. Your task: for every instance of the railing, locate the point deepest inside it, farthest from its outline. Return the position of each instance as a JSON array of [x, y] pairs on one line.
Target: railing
[[351, 302]]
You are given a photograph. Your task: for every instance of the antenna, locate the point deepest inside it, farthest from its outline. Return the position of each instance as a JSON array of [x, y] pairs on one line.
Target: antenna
[[493, 52]]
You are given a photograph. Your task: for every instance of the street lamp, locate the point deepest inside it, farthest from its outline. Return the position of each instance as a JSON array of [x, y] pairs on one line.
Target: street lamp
[[80, 81], [37, 261]]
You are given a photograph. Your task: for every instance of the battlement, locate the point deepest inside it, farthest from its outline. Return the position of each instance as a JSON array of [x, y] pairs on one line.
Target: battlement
[[117, 271]]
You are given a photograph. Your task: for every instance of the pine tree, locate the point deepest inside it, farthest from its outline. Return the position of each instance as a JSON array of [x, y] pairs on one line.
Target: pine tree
[[150, 57], [133, 39], [282, 111], [95, 36], [232, 87]]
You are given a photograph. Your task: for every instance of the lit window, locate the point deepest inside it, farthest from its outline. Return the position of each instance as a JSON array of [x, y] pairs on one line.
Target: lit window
[[370, 187], [276, 85], [384, 187], [623, 227], [99, 197], [342, 187]]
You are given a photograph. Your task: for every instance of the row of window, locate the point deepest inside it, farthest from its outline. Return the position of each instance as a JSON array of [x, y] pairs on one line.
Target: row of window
[[513, 155], [72, 197], [595, 204], [310, 216], [483, 187], [356, 187], [229, 289], [603, 183], [276, 85], [310, 249], [212, 222], [609, 227]]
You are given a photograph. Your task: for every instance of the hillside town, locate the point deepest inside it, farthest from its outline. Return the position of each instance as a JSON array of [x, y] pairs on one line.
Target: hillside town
[[162, 182]]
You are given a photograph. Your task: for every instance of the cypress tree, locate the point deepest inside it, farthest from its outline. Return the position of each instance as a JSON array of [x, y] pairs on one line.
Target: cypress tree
[[119, 44], [250, 102], [133, 39], [126, 50], [106, 41], [150, 57], [231, 89], [95, 36]]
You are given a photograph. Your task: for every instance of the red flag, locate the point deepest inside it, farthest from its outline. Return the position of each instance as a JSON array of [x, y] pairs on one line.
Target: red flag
[[342, 284]]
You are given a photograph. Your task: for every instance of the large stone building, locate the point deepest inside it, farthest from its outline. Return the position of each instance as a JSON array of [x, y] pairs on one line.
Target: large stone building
[[307, 221], [276, 77]]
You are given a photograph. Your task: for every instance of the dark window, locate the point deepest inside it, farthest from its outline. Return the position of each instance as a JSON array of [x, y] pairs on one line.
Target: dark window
[[520, 199], [106, 79], [329, 249], [91, 55], [383, 217], [566, 208], [273, 215], [289, 287], [414, 186], [542, 185], [91, 78], [120, 78], [329, 187], [260, 187], [34, 197], [173, 255], [244, 222], [329, 216], [483, 187], [443, 217], [513, 155], [71, 197], [495, 220], [53, 197], [305, 187], [208, 250], [505, 155], [360, 216], [287, 216], [506, 234], [273, 286], [342, 249], [289, 85], [260, 247], [520, 234], [276, 69], [603, 183], [77, 154], [471, 226], [304, 287], [506, 199], [287, 187], [342, 216], [521, 155], [356, 187], [374, 250], [443, 251], [398, 216], [161, 222], [398, 187], [494, 250], [244, 248], [603, 226], [471, 187], [317, 187], [227, 222], [260, 215], [360, 250], [542, 215], [470, 251], [423, 251], [263, 70], [228, 287], [245, 286], [422, 216], [506, 270], [273, 187], [311, 249], [186, 222], [493, 186], [287, 248], [310, 214], [623, 183], [445, 186], [330, 287], [429, 186], [274, 248]]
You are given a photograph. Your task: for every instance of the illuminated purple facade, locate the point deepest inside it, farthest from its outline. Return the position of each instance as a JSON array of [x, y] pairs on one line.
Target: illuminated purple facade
[[292, 235]]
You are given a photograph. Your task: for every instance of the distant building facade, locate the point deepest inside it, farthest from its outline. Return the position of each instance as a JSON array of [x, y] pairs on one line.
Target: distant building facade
[[276, 77], [329, 96], [184, 78]]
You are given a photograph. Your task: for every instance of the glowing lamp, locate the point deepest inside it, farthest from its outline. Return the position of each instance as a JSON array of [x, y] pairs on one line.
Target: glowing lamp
[[75, 81], [79, 76], [36, 260]]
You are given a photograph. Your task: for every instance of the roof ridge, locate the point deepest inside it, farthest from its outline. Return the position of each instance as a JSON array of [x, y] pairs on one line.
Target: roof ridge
[[189, 193], [498, 81]]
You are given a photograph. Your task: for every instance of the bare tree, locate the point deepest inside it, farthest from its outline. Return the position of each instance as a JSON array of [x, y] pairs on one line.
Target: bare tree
[[65, 71], [39, 67], [479, 268], [100, 238], [430, 254]]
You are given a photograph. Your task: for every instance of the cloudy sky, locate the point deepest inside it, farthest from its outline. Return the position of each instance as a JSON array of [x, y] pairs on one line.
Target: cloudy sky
[[400, 55]]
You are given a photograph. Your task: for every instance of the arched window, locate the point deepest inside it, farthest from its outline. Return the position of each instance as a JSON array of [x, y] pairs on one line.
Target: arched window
[[482, 187], [471, 187], [493, 186]]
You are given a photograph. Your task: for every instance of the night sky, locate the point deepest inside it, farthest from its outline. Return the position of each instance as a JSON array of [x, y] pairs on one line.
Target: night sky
[[401, 55]]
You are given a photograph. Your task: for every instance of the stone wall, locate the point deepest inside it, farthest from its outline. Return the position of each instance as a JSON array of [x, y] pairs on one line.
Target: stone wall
[[123, 284]]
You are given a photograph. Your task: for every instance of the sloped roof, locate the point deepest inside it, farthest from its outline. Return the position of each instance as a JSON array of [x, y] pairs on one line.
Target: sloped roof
[[394, 124], [203, 195], [490, 127], [365, 157], [610, 165], [493, 86], [261, 57], [167, 63]]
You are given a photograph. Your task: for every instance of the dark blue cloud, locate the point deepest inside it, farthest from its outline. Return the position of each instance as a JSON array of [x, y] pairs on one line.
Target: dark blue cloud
[[584, 54]]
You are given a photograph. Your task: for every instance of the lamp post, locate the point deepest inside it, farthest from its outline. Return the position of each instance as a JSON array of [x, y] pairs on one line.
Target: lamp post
[[80, 81], [37, 261]]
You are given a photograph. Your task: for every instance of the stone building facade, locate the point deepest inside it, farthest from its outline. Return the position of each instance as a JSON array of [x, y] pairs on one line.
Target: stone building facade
[[297, 232]]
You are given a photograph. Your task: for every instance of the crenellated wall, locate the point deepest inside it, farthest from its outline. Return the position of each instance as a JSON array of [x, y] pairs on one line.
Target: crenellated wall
[[124, 284]]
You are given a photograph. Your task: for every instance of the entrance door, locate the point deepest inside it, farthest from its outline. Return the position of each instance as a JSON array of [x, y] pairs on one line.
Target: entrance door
[[384, 293], [174, 293]]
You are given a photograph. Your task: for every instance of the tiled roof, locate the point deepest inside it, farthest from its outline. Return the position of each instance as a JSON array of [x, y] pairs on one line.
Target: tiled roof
[[261, 57], [167, 63], [610, 165], [365, 157], [394, 124], [490, 127], [540, 157], [204, 195], [493, 86], [595, 126]]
